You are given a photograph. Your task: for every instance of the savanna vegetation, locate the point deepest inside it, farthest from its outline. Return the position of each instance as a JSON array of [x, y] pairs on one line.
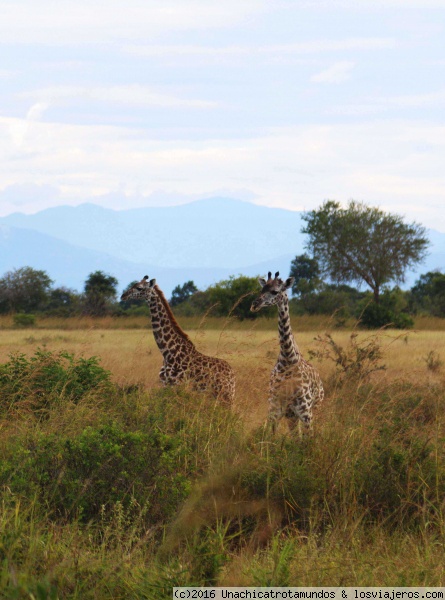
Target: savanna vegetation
[[112, 487], [26, 297]]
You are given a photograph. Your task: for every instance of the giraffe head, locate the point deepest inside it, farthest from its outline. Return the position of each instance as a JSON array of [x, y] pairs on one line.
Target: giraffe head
[[140, 290], [273, 291]]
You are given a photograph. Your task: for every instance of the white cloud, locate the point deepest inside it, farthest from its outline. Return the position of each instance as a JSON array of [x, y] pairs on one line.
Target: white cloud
[[353, 5], [415, 100], [128, 95], [395, 164], [100, 21], [214, 54], [338, 45], [359, 109], [379, 104], [19, 195], [337, 73], [36, 111]]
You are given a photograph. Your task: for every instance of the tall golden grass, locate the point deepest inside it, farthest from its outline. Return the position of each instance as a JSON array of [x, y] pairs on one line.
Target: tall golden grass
[[132, 356]]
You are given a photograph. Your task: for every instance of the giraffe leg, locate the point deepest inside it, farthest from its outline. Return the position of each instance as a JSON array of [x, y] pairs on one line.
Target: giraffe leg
[[306, 419], [225, 397], [275, 414], [294, 424], [272, 424]]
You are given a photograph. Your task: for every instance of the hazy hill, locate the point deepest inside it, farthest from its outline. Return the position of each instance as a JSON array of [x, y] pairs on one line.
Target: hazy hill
[[209, 233], [205, 241], [69, 265]]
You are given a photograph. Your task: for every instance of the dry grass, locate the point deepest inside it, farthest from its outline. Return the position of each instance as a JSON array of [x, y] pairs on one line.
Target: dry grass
[[302, 323], [133, 358]]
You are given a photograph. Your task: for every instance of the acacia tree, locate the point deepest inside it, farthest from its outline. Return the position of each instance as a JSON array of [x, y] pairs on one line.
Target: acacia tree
[[363, 244]]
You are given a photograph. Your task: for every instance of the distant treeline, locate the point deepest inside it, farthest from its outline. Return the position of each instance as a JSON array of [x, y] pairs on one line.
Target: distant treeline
[[358, 244], [27, 291]]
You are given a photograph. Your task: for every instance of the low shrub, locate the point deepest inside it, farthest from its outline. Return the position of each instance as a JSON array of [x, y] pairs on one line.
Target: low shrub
[[397, 479], [24, 320], [356, 361], [84, 475], [43, 379], [375, 316], [433, 361], [138, 454]]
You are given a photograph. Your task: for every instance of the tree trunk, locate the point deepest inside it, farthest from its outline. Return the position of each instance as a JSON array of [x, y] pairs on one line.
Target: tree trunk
[[376, 291]]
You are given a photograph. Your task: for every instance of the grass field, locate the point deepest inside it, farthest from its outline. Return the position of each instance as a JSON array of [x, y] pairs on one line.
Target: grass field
[[123, 489]]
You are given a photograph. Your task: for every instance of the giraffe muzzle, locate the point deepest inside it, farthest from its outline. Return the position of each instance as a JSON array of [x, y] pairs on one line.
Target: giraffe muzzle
[[255, 306]]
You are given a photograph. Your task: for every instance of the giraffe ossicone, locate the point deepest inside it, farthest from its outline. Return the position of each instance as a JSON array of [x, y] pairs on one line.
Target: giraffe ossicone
[[295, 386], [182, 361]]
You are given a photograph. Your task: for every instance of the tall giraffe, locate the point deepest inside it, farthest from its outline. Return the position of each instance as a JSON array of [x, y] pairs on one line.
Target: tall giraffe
[[295, 385], [182, 361]]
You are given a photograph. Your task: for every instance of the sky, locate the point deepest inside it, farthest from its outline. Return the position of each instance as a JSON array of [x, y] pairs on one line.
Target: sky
[[284, 103]]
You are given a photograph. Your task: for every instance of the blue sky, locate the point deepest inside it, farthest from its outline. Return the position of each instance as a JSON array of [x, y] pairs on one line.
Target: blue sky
[[283, 103]]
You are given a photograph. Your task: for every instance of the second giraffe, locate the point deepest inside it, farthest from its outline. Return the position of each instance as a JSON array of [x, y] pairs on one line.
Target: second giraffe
[[295, 385]]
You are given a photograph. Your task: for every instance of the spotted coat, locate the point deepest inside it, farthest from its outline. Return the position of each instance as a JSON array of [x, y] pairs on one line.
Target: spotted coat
[[182, 361], [295, 386]]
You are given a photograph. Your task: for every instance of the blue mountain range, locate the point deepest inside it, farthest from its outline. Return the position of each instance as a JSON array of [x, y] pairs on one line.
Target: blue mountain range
[[204, 241]]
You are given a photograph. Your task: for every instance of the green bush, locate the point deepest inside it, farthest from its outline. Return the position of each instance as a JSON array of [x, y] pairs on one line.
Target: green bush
[[24, 320], [397, 480], [329, 299], [86, 475], [234, 297], [47, 377], [392, 310], [375, 316], [428, 294], [135, 457]]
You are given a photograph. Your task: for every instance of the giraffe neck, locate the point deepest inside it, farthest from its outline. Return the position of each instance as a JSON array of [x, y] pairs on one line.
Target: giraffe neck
[[170, 338], [289, 352]]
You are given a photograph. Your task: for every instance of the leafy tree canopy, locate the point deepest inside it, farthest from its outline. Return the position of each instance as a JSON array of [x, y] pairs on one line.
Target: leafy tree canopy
[[306, 273], [24, 290], [62, 302], [181, 293], [100, 283], [100, 291], [363, 244], [428, 293], [234, 296]]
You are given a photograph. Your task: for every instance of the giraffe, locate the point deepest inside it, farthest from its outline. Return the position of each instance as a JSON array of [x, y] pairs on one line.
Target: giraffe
[[182, 361], [295, 386]]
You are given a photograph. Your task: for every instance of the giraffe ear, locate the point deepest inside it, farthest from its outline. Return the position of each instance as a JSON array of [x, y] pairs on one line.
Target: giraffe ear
[[262, 281], [152, 282], [288, 283]]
